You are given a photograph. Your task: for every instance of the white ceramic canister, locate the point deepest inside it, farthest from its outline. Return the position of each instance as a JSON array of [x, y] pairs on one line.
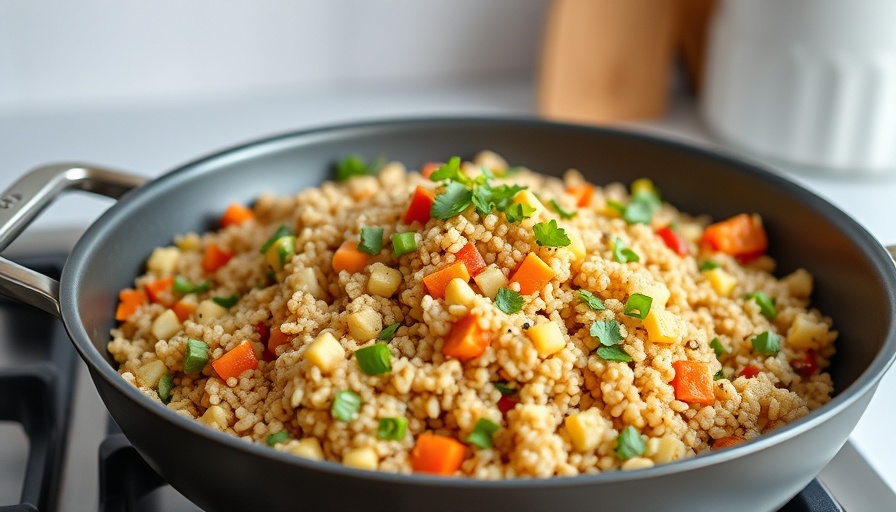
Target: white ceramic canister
[[806, 82]]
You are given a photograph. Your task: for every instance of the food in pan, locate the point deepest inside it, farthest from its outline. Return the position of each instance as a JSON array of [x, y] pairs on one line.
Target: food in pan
[[476, 319]]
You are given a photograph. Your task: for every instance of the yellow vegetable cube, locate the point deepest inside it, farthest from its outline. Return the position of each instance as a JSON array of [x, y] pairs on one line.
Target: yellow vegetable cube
[[722, 282], [308, 448], [663, 327], [150, 373], [490, 281], [305, 280], [576, 245], [365, 324], [806, 332], [163, 260], [528, 198], [637, 463], [655, 290], [215, 417], [361, 458], [325, 352], [210, 310], [664, 449], [799, 283], [547, 338], [384, 281], [165, 325], [586, 429], [458, 292]]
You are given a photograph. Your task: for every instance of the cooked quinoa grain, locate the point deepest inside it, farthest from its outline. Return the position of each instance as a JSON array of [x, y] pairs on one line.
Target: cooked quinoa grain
[[492, 324]]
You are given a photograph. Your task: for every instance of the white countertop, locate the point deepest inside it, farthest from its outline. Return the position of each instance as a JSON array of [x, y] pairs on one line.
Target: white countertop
[[150, 139]]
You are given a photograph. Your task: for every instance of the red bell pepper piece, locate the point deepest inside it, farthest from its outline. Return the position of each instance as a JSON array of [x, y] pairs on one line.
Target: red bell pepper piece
[[673, 240], [420, 206]]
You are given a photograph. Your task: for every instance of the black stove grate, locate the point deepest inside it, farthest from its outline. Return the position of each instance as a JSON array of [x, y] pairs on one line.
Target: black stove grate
[[37, 378]]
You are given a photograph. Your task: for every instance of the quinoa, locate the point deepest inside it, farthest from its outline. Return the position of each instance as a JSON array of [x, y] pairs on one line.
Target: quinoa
[[545, 375]]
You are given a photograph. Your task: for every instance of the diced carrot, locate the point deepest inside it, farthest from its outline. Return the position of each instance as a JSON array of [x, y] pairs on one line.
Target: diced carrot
[[466, 340], [420, 206], [214, 258], [236, 361], [692, 382], [742, 236], [437, 454], [429, 168], [236, 214], [159, 291], [276, 338], [749, 371], [725, 442], [183, 309], [583, 193], [469, 254], [438, 280], [349, 258], [673, 240], [532, 274], [129, 302]]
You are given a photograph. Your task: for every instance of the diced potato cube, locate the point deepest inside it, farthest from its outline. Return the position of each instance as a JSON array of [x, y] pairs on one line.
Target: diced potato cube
[[586, 429], [806, 332], [490, 281], [165, 325], [215, 416], [308, 448], [210, 310], [663, 326], [664, 449], [528, 198], [576, 245], [637, 463], [365, 324], [188, 242], [150, 373], [547, 338], [306, 281], [163, 260], [384, 281], [361, 458], [325, 352], [722, 282], [799, 283], [655, 290], [458, 292]]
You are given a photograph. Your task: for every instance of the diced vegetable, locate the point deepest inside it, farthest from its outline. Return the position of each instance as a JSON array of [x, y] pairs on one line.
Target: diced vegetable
[[282, 231], [636, 463], [725, 442], [742, 236], [351, 165], [166, 384], [532, 275], [280, 252], [325, 352], [184, 286], [361, 458], [420, 206], [663, 327], [163, 260], [195, 356], [722, 282], [346, 405], [236, 214], [807, 365], [509, 301], [428, 168], [392, 429], [276, 337], [371, 240], [150, 373], [638, 305], [806, 332], [490, 281], [209, 310], [306, 281], [159, 290], [693, 382], [673, 240], [458, 292], [214, 258], [165, 325], [215, 417], [482, 433], [466, 340], [474, 262], [717, 347], [549, 234], [403, 243], [277, 437], [364, 325], [236, 361], [349, 258], [766, 343], [749, 371], [437, 454], [228, 301], [527, 198], [383, 281], [586, 429], [374, 359], [388, 332], [129, 302], [505, 403], [629, 444], [664, 449], [547, 338], [576, 245], [621, 253], [437, 281], [766, 304], [308, 448], [582, 193]]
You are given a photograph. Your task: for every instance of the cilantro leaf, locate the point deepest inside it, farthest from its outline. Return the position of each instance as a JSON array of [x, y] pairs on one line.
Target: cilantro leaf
[[766, 304], [629, 443], [621, 253], [548, 234], [607, 332], [508, 301], [388, 332], [371, 240], [450, 171], [614, 353], [638, 212], [709, 265], [453, 201], [349, 166], [502, 195], [518, 211], [767, 343], [592, 301], [560, 211], [717, 347]]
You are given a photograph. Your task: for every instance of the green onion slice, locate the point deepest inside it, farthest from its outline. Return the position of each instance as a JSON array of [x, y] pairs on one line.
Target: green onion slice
[[183, 285], [767, 343], [388, 332], [621, 253], [227, 302], [371, 240], [638, 305], [709, 265], [277, 437], [282, 231], [564, 214], [166, 384], [717, 346], [374, 359], [403, 243], [392, 428], [195, 356], [766, 304], [629, 443], [482, 433], [346, 405], [505, 388]]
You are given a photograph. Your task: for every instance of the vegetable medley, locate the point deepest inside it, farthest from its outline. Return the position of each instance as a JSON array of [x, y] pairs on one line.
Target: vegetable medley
[[476, 319]]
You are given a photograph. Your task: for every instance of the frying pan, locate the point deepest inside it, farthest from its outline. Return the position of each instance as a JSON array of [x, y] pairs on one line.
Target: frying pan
[[854, 282]]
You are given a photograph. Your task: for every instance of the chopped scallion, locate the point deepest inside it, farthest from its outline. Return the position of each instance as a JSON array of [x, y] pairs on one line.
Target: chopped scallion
[[371, 240], [388, 332], [717, 346], [629, 443], [621, 253], [403, 243], [766, 343], [766, 304], [346, 405], [709, 265], [374, 359], [183, 285], [482, 433], [564, 214], [166, 384], [195, 356], [227, 302], [277, 437], [282, 231], [392, 428], [638, 305]]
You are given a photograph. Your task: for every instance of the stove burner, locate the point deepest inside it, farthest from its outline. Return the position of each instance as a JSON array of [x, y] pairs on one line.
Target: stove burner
[[37, 376]]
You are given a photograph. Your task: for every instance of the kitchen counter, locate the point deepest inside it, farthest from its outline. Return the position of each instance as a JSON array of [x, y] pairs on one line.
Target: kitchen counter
[[150, 139]]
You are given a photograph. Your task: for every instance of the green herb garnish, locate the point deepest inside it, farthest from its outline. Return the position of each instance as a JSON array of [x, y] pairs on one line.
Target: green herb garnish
[[346, 404], [504, 388], [718, 375], [518, 212], [508, 301], [482, 433], [454, 200], [371, 241], [195, 356], [374, 359], [638, 305], [592, 301], [282, 231], [166, 384], [629, 444], [227, 302], [607, 332], [461, 191], [183, 285], [709, 265], [388, 332], [717, 346], [277, 437], [548, 234], [767, 343], [392, 429], [403, 243], [564, 214], [766, 304], [614, 353], [354, 165], [621, 253]]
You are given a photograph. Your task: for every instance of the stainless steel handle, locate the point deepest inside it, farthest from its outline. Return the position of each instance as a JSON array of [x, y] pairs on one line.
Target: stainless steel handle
[[25, 199]]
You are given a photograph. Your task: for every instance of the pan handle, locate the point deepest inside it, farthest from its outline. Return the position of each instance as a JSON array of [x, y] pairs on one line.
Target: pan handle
[[25, 199]]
